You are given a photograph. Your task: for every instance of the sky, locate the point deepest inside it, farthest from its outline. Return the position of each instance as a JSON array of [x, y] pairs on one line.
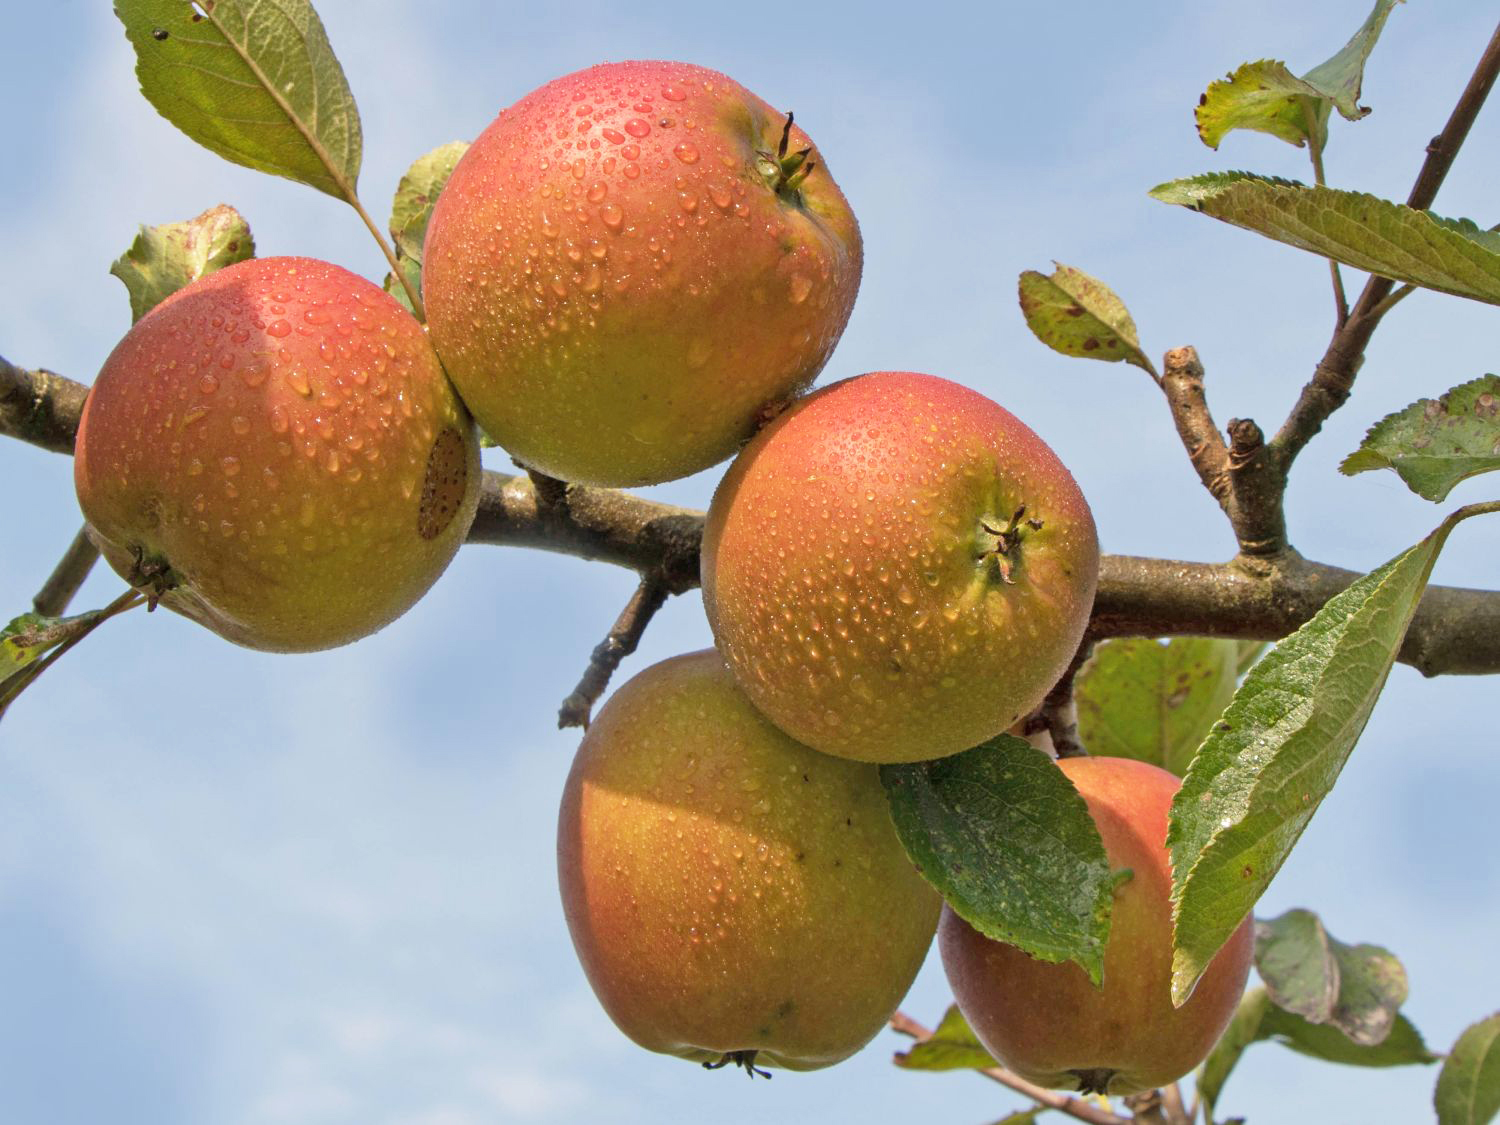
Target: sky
[[242, 889]]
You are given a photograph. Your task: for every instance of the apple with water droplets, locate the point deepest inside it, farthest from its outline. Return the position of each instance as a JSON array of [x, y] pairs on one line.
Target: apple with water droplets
[[275, 452], [1048, 1022], [897, 568], [632, 266], [734, 897]]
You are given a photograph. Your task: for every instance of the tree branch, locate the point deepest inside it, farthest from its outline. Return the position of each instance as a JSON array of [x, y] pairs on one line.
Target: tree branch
[[40, 407], [1455, 631], [1064, 1103], [1334, 375]]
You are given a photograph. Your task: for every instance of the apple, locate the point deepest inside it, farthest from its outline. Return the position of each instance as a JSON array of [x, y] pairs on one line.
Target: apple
[[734, 897], [1048, 1022], [274, 452], [631, 266], [897, 569]]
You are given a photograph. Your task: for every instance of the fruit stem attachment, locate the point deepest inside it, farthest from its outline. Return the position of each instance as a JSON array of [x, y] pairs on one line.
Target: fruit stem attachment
[[1063, 1103], [1006, 539], [787, 172], [743, 1059]]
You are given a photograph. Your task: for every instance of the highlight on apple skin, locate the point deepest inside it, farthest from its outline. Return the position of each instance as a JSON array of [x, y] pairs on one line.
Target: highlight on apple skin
[[275, 452], [897, 568], [1048, 1022], [734, 897], [631, 265]]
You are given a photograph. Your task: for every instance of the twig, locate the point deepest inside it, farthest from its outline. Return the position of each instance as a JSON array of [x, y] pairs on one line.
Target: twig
[[1334, 375], [649, 596], [1239, 476], [71, 571], [40, 407], [1171, 1102], [1058, 714], [1182, 381], [1063, 1103]]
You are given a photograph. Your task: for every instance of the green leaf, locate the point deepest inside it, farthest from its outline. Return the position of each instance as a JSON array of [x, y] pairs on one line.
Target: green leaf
[[1355, 988], [1079, 315], [1264, 96], [1258, 1020], [1140, 698], [1468, 1086], [1243, 1030], [1435, 443], [1022, 1116], [1371, 234], [416, 194], [1000, 831], [163, 259], [1341, 77], [255, 81], [29, 637], [1267, 765], [413, 271], [952, 1046], [1402, 1047], [1293, 957]]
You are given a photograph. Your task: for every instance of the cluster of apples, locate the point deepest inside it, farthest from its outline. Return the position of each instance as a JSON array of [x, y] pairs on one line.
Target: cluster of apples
[[630, 274]]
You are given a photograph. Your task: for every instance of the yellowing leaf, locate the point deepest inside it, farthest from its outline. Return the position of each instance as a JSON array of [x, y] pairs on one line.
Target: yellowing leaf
[[165, 258], [1079, 315]]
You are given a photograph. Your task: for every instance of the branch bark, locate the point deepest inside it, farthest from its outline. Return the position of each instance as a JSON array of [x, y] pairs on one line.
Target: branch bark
[[1455, 631]]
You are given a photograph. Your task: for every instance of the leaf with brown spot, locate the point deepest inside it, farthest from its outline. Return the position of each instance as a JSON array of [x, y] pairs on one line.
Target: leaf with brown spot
[[1434, 444], [1079, 315]]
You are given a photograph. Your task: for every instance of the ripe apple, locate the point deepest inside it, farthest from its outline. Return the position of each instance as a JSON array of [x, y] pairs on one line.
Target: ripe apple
[[897, 569], [630, 265], [733, 896], [1047, 1022], [275, 452]]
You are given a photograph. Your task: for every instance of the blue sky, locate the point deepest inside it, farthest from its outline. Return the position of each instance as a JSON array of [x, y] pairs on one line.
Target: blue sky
[[239, 889]]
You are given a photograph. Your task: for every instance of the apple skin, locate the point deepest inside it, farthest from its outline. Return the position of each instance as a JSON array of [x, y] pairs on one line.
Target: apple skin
[[275, 452], [615, 285], [1047, 1022], [851, 583], [729, 891]]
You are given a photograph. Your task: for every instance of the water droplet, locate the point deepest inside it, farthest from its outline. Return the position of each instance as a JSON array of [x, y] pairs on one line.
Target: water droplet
[[611, 216], [296, 378], [279, 329], [230, 465], [241, 424], [637, 128], [720, 196], [631, 152], [315, 316], [195, 467], [208, 384], [614, 136], [686, 153], [279, 419], [194, 415], [801, 287], [597, 191], [674, 93]]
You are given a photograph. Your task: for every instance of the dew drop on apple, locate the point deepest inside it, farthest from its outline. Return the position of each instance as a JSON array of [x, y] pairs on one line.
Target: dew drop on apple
[[279, 328]]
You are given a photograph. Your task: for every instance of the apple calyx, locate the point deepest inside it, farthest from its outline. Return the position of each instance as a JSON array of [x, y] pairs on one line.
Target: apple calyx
[[745, 1060], [153, 576], [1002, 543], [1095, 1080], [785, 172]]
